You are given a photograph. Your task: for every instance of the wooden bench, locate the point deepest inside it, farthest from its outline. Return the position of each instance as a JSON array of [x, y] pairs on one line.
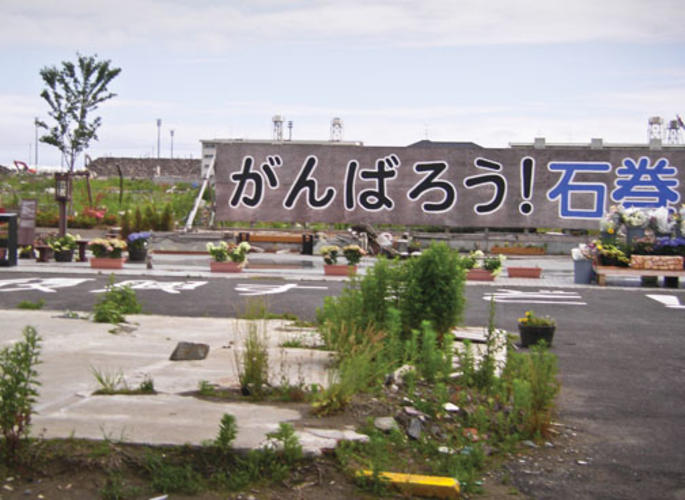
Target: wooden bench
[[305, 239], [604, 271]]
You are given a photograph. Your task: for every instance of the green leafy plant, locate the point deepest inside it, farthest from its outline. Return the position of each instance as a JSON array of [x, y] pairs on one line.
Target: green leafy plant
[[433, 290], [353, 254], [63, 243], [330, 254], [18, 388], [171, 478], [27, 304], [72, 92], [228, 430], [116, 302], [530, 319], [222, 251], [107, 247], [253, 363], [205, 388], [288, 444], [109, 383]]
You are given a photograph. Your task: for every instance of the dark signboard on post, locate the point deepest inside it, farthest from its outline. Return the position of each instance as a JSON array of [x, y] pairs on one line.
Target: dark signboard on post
[[27, 221], [447, 186]]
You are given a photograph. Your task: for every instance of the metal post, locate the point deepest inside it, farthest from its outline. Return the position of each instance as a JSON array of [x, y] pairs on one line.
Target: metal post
[[159, 132], [35, 123]]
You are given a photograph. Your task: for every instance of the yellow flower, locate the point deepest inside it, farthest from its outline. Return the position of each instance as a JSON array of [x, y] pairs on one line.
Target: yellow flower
[[611, 230]]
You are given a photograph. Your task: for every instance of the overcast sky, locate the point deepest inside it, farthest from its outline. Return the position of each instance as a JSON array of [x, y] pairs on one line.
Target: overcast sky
[[395, 71]]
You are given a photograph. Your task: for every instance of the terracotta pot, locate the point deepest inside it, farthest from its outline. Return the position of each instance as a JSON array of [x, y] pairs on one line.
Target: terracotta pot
[[480, 275], [227, 266], [531, 335], [107, 262], [524, 272], [518, 250], [339, 269]]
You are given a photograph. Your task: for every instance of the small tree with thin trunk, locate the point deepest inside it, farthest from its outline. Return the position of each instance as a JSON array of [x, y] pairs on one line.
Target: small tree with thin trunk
[[73, 91]]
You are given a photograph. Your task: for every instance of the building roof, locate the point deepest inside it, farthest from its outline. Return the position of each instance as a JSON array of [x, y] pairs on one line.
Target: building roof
[[425, 143]]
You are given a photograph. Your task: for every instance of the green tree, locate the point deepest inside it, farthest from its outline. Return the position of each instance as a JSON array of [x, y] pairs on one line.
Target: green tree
[[72, 92], [434, 289]]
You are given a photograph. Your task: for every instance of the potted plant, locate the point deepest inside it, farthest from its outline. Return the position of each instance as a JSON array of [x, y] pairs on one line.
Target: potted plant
[[63, 247], [353, 254], [330, 254], [482, 268], [137, 246], [611, 255], [524, 272], [107, 253], [533, 329], [228, 258], [26, 252]]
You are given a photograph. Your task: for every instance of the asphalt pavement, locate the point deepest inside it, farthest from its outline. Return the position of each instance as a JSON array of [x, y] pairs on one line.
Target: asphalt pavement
[[620, 355]]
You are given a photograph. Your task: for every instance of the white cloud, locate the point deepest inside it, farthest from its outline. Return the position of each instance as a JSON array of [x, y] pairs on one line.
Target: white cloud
[[215, 26]]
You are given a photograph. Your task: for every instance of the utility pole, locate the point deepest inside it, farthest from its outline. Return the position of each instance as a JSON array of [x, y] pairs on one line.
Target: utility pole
[[159, 132], [35, 124], [172, 143]]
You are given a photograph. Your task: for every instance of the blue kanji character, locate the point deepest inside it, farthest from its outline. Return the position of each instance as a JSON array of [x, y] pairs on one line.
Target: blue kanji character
[[498, 180], [566, 186], [640, 185], [304, 183], [433, 181]]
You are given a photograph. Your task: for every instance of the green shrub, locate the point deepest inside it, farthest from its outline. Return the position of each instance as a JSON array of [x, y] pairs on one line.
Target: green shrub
[[27, 304], [18, 389], [138, 224], [172, 478], [125, 223], [228, 430], [167, 219], [434, 290]]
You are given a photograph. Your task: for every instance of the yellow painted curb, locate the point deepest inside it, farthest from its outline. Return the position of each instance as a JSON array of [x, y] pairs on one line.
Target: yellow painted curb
[[417, 484]]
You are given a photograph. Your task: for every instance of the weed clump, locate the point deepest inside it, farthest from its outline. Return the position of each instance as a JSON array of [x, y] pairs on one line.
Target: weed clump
[[18, 389], [116, 303]]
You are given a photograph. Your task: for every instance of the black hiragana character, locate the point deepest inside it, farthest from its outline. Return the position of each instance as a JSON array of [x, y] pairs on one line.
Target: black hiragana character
[[268, 168], [304, 183], [433, 181], [243, 178], [376, 199], [499, 181]]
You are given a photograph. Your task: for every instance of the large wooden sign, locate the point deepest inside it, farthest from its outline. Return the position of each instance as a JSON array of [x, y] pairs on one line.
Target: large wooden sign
[[462, 187]]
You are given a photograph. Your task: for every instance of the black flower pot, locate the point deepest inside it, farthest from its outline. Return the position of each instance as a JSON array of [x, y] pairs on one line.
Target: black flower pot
[[137, 254], [64, 256], [531, 335]]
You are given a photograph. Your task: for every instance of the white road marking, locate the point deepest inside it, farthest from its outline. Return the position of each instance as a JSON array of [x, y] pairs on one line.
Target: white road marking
[[252, 289], [46, 285], [540, 297], [172, 287], [670, 301]]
